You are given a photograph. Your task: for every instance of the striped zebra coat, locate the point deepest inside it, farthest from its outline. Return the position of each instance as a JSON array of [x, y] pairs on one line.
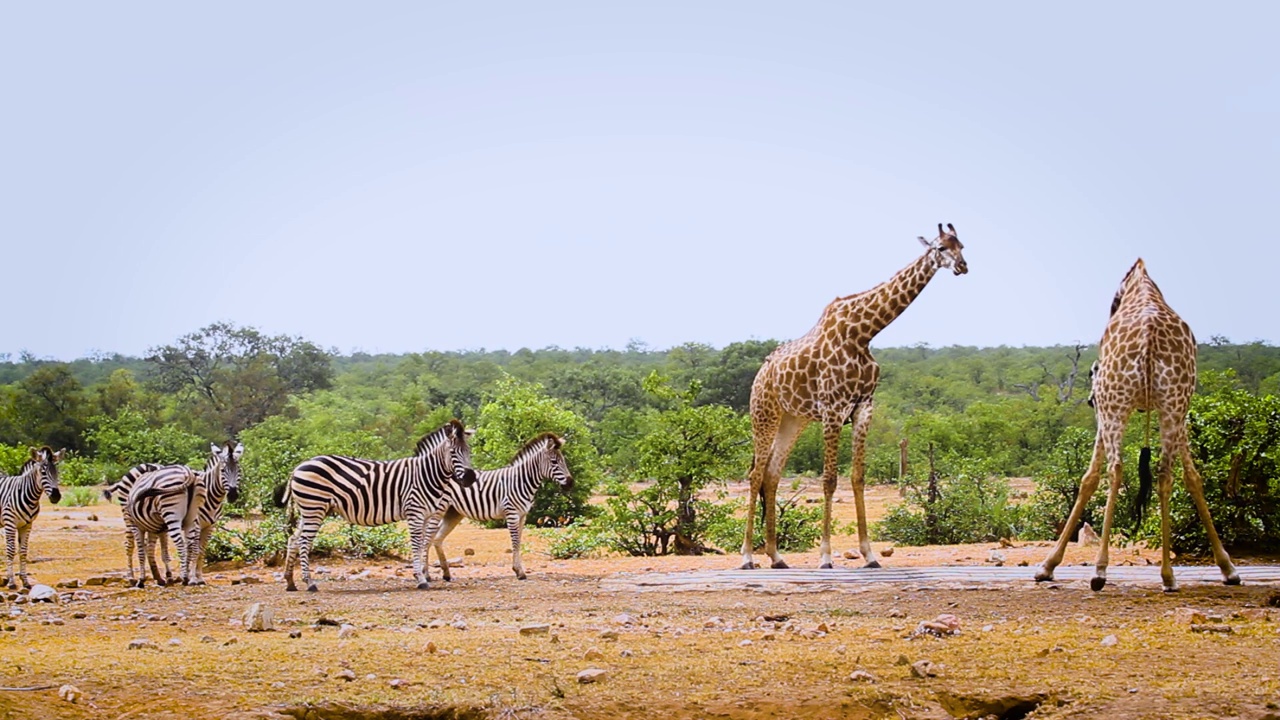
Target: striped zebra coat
[[219, 481], [20, 504], [506, 493], [120, 489], [376, 492]]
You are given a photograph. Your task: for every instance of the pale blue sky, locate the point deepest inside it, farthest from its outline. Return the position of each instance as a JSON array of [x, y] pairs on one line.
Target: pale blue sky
[[408, 176]]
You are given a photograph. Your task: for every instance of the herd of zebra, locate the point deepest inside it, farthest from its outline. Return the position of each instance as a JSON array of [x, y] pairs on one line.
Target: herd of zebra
[[433, 491]]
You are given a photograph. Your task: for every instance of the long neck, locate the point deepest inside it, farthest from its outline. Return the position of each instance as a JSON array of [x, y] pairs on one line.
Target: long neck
[[867, 313]]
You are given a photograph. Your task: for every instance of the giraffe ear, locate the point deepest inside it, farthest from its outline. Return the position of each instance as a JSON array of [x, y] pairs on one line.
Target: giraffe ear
[[924, 242], [952, 228], [940, 233]]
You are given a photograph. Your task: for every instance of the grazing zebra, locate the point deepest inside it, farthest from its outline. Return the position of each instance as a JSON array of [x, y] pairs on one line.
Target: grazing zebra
[[505, 493], [376, 492], [20, 504], [121, 490], [220, 480]]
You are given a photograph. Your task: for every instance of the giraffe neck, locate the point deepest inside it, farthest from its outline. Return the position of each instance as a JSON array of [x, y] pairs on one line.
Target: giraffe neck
[[867, 313]]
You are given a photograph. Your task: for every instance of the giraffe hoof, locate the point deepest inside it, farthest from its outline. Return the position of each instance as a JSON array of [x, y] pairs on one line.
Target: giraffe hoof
[[1043, 576], [779, 565], [291, 588], [1172, 588], [312, 588], [825, 566], [422, 586], [748, 565], [521, 576], [1097, 583], [1232, 579], [872, 564]]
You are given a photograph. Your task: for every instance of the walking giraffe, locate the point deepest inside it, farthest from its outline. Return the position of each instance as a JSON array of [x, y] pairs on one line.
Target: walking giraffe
[[829, 376], [1146, 362]]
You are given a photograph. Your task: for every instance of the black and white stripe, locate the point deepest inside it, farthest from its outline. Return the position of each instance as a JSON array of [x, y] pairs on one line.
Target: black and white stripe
[[120, 489], [376, 492], [221, 482], [506, 493], [20, 504]]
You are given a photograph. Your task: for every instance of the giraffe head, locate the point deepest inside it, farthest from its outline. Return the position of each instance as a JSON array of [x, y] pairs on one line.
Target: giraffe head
[[1136, 276], [948, 249]]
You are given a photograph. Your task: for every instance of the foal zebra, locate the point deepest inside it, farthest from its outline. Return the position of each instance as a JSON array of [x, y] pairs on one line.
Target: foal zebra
[[376, 492], [188, 504], [506, 492], [20, 504]]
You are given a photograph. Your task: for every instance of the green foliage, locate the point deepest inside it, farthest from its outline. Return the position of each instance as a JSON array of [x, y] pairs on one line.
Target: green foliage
[[12, 458], [79, 497], [47, 407], [127, 439], [267, 539], [583, 538], [516, 412], [970, 505], [799, 527]]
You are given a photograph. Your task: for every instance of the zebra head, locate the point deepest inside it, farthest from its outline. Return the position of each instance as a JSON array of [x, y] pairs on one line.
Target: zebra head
[[225, 463], [460, 453], [559, 466], [45, 462]]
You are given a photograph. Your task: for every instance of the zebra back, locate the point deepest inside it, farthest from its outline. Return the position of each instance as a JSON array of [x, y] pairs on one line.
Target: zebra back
[[121, 487]]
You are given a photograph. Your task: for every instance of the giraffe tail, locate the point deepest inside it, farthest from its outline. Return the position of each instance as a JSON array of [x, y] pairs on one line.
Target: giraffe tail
[[1145, 479]]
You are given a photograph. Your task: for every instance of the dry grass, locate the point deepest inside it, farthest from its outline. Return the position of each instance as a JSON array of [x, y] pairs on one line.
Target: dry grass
[[1041, 640]]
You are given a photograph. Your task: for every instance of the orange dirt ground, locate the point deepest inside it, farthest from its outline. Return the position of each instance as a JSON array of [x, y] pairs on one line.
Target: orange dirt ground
[[456, 650]]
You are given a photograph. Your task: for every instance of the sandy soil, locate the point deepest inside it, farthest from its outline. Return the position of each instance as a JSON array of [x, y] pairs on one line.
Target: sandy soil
[[457, 649]]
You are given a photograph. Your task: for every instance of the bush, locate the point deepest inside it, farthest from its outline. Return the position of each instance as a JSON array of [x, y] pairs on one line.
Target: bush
[[79, 497], [969, 506], [581, 539], [267, 539], [799, 528]]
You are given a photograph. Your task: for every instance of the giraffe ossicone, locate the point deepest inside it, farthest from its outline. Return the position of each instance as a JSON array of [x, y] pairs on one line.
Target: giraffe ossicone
[[828, 376]]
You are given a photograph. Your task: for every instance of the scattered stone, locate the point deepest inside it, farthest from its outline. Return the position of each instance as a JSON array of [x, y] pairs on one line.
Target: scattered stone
[[1189, 616], [208, 639], [745, 643], [988, 628], [175, 641], [624, 619], [960, 705], [258, 618], [996, 557], [852, 555], [70, 693], [1223, 628], [68, 583], [468, 552], [609, 635], [229, 642], [1006, 543], [902, 660], [295, 634], [346, 674], [591, 675], [346, 631], [925, 669], [1255, 614], [713, 622], [458, 624], [93, 517], [398, 683], [431, 648], [862, 676], [592, 654], [248, 579], [539, 629], [371, 676], [626, 653], [1110, 641], [79, 615], [887, 552], [941, 626], [42, 593], [94, 581], [1087, 535], [896, 613], [141, 644], [1023, 563]]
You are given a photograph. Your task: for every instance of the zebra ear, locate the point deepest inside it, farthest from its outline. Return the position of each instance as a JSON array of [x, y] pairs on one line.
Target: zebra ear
[[213, 448], [235, 454], [57, 457], [469, 432]]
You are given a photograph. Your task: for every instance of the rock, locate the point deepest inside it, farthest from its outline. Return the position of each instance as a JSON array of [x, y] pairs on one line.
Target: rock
[[591, 675], [175, 642], [852, 555], [539, 629], [141, 644], [1255, 614], [346, 674], [430, 648], [1006, 543], [70, 693], [1110, 641], [41, 593], [925, 669], [624, 619], [229, 642], [458, 624], [745, 643], [1213, 628], [1023, 563], [208, 639], [988, 628], [95, 580], [996, 557], [346, 631], [468, 552], [249, 579], [887, 552], [1188, 616], [371, 676], [961, 705], [592, 654], [1087, 535], [257, 618], [626, 653], [609, 635], [942, 626], [896, 613], [295, 634], [902, 660], [79, 615], [68, 583], [713, 622], [862, 676], [398, 683]]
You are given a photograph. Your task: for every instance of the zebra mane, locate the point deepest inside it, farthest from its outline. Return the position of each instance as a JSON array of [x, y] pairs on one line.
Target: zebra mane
[[433, 439], [44, 452], [535, 446]]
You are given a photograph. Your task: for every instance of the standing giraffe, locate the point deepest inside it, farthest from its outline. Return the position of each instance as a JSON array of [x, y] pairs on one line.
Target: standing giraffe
[[828, 376], [1146, 362]]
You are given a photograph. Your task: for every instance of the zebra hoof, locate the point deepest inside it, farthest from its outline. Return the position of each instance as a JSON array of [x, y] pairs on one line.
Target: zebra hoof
[[422, 586], [873, 564], [1097, 583], [312, 588], [779, 565], [163, 583]]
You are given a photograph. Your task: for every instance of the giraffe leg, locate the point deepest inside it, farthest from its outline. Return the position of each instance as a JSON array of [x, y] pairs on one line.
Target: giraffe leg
[[1088, 485], [763, 431], [1165, 490], [1116, 471], [1195, 486], [788, 430], [830, 449], [861, 423]]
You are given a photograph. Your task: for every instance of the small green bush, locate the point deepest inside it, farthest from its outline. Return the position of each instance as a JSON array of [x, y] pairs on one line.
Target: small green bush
[[267, 539], [581, 539], [79, 497], [971, 506], [799, 528]]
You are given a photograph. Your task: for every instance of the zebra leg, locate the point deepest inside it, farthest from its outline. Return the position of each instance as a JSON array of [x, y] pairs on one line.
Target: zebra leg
[[443, 526], [128, 549], [515, 526], [164, 557], [140, 545], [418, 541], [290, 559], [301, 544], [24, 533], [150, 540], [10, 549], [195, 553]]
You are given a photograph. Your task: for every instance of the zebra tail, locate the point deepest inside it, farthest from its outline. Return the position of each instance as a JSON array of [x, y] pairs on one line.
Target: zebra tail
[[279, 495]]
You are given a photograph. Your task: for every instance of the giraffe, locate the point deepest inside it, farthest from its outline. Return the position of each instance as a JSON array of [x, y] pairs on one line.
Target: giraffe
[[1146, 362], [828, 376]]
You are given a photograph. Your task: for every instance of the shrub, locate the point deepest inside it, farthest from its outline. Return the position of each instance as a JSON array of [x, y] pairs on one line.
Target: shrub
[[581, 539], [267, 539], [799, 528], [79, 497], [968, 506]]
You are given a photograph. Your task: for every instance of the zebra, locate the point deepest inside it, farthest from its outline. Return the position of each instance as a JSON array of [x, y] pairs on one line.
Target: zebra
[[20, 504], [504, 493], [176, 500], [120, 489], [375, 492]]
